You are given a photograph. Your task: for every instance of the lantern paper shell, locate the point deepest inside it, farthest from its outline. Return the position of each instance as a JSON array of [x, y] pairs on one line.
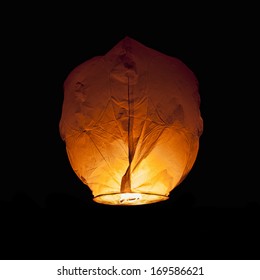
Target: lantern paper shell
[[131, 123]]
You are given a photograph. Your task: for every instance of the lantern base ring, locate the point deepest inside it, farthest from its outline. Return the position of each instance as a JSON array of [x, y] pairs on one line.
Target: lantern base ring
[[131, 198]]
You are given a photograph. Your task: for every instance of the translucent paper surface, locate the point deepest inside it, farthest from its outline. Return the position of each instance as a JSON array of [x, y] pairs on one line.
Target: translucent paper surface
[[131, 123]]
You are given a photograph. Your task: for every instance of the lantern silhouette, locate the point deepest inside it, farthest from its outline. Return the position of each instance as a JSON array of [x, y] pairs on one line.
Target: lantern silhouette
[[131, 123]]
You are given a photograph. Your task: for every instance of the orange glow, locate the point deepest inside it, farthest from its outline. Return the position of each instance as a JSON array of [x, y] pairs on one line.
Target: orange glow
[[131, 123]]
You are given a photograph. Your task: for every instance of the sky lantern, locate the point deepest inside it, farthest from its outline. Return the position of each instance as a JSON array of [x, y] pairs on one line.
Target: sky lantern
[[131, 123]]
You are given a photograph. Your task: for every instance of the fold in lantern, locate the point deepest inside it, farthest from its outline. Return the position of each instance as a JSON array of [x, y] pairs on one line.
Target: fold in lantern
[[131, 123]]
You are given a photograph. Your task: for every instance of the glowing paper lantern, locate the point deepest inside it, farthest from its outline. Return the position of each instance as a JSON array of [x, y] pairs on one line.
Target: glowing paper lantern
[[131, 123]]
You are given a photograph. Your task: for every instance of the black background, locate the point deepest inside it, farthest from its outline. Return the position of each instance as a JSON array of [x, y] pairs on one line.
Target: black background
[[47, 212]]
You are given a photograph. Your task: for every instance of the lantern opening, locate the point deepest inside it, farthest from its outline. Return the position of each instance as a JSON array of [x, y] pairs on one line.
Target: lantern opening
[[131, 198]]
